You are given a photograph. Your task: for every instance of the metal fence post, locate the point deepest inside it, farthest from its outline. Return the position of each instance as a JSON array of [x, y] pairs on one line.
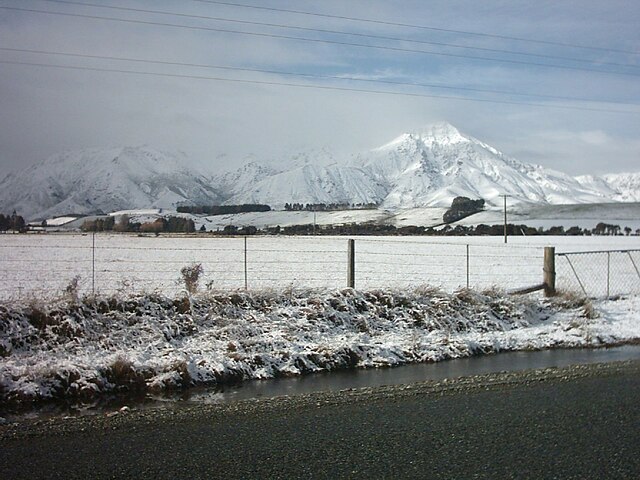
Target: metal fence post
[[608, 274], [549, 271], [351, 264]]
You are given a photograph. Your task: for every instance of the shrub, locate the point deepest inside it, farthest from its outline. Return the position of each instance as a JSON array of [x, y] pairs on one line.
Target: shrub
[[191, 276], [72, 289]]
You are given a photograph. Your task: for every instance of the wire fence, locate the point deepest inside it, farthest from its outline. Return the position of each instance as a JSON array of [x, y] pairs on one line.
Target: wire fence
[[48, 265], [600, 274]]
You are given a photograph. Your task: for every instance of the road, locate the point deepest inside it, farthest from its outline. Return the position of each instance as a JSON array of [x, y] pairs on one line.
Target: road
[[577, 422]]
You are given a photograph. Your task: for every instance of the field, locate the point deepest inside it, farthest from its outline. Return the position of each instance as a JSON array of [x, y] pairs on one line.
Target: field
[[46, 265]]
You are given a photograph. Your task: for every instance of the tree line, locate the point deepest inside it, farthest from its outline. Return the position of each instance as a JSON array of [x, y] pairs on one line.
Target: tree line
[[222, 209], [327, 207], [446, 230], [124, 224]]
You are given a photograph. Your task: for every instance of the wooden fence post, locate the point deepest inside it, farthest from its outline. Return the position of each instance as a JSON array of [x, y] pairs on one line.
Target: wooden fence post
[[549, 271], [351, 264], [246, 277], [93, 264]]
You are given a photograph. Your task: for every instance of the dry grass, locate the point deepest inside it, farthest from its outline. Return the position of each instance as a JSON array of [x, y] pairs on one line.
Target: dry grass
[[124, 375], [574, 301]]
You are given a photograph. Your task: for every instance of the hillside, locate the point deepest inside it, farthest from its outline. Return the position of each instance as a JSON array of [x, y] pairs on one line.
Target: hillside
[[104, 180]]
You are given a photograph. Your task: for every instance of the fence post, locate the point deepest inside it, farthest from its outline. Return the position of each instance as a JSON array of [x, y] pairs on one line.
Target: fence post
[[246, 278], [467, 265], [351, 264], [549, 271], [93, 265], [608, 274]]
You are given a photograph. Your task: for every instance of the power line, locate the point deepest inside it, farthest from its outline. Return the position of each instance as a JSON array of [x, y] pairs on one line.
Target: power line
[[422, 27], [309, 75], [311, 86], [324, 41], [338, 32]]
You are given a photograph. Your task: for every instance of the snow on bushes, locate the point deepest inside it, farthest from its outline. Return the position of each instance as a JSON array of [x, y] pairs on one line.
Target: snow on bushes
[[86, 347]]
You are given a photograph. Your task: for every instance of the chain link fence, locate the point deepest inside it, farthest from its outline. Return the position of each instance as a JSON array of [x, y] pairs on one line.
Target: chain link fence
[[599, 274]]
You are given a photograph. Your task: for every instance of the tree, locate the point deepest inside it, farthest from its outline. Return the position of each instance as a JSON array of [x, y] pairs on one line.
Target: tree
[[627, 231], [462, 207], [17, 223], [123, 224], [600, 229]]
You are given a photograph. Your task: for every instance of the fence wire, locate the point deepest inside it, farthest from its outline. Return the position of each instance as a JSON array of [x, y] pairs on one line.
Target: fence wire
[[599, 274], [48, 265]]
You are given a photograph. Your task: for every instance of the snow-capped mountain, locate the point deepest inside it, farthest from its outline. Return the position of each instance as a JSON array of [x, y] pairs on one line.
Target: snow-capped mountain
[[428, 167], [438, 163], [104, 180]]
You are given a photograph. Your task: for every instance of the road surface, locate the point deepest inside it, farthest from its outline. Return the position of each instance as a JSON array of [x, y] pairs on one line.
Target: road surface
[[579, 422]]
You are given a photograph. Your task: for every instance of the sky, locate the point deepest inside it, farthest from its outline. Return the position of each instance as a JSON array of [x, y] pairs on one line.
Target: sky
[[548, 82]]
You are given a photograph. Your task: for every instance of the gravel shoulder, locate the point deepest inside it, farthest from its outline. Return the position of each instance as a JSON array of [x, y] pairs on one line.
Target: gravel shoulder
[[574, 422]]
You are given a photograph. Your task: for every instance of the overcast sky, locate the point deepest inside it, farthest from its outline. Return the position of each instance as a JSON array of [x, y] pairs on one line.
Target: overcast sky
[[591, 125]]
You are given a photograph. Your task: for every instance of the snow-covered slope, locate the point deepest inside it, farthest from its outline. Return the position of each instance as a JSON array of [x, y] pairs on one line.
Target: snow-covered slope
[[621, 187], [243, 179], [313, 184], [104, 180]]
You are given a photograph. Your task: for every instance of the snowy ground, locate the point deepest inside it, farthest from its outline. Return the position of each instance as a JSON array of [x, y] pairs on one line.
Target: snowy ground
[[44, 266], [83, 348]]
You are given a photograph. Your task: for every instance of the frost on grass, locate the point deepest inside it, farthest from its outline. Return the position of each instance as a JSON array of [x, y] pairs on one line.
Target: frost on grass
[[95, 345]]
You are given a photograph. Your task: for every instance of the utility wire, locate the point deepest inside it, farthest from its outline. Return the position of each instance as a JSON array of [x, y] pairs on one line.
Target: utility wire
[[311, 86], [309, 75], [338, 32], [422, 27], [324, 41]]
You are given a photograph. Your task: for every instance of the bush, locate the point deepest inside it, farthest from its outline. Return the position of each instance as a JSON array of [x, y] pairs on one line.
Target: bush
[[191, 276], [72, 289]]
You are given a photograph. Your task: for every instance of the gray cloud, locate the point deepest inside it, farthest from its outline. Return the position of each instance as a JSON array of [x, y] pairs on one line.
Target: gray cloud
[[45, 110]]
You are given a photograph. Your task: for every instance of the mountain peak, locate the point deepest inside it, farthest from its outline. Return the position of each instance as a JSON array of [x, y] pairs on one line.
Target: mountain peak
[[439, 132]]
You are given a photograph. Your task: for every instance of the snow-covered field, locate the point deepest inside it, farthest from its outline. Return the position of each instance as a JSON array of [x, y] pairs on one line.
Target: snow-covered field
[[535, 215], [45, 266], [567, 216]]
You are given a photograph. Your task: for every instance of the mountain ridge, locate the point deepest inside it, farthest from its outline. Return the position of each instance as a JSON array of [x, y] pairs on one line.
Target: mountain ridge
[[425, 168]]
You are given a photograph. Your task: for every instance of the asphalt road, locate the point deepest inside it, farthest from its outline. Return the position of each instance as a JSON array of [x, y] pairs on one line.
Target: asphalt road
[[580, 422]]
